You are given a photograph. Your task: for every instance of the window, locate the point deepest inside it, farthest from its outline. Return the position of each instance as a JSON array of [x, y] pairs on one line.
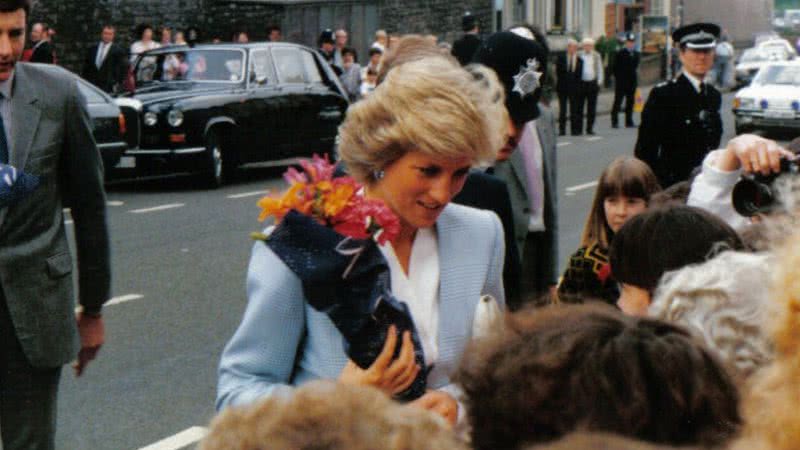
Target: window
[[289, 65], [261, 68], [312, 70]]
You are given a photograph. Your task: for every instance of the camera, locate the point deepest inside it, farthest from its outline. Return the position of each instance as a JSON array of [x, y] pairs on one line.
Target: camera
[[757, 194]]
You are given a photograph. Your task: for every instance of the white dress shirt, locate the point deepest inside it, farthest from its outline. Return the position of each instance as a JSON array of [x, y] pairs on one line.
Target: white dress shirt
[[419, 289], [530, 148], [692, 79]]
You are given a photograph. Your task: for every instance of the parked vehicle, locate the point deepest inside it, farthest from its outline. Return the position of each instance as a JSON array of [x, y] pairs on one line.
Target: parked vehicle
[[111, 131], [753, 59], [211, 108], [778, 44], [772, 101]]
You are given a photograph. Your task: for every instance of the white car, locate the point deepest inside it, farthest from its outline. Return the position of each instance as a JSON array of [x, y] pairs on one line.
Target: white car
[[753, 59], [777, 44], [772, 101]]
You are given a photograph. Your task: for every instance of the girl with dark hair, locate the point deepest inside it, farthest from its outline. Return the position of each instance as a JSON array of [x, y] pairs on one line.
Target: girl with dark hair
[[661, 240], [623, 190]]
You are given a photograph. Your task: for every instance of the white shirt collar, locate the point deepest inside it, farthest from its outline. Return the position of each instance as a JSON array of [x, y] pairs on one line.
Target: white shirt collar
[[6, 86], [692, 79]]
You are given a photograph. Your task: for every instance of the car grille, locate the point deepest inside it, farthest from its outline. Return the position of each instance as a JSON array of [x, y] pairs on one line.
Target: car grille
[[132, 125]]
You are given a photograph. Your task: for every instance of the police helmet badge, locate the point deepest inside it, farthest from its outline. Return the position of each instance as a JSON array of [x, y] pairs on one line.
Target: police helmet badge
[[527, 80]]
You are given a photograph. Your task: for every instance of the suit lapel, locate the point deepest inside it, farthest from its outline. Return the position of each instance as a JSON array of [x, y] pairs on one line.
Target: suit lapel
[[25, 115], [450, 308]]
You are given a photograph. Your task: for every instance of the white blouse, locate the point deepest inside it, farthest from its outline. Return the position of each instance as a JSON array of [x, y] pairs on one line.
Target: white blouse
[[419, 289]]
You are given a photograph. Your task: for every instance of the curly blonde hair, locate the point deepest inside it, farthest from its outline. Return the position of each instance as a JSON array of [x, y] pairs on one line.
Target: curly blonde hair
[[722, 302], [431, 105], [326, 415], [770, 406]]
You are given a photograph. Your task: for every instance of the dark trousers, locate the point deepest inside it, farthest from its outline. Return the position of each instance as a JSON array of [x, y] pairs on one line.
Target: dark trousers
[[588, 95], [535, 261], [27, 394], [629, 94], [563, 105]]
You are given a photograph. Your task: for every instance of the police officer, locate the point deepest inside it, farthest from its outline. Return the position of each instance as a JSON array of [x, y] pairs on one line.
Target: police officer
[[681, 121], [626, 64]]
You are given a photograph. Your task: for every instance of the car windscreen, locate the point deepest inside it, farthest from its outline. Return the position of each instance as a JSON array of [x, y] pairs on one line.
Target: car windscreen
[[784, 75], [753, 55], [201, 65]]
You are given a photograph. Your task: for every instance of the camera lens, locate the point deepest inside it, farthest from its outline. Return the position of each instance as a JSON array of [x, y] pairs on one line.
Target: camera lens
[[751, 197]]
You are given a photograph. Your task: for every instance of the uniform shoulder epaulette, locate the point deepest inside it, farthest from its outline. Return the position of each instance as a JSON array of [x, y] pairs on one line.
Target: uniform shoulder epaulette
[[664, 83]]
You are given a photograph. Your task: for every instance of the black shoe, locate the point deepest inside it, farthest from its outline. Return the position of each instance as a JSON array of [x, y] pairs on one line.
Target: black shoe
[[576, 133], [614, 125], [562, 133], [590, 132], [630, 125]]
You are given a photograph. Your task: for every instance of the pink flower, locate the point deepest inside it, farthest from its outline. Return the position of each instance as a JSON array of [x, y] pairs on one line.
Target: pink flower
[[319, 168], [366, 218], [293, 176]]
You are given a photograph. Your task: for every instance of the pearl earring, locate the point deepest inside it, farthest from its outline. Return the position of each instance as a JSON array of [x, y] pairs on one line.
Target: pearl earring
[[378, 174]]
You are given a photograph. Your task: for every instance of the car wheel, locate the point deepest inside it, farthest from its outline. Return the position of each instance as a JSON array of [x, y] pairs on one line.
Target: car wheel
[[213, 175]]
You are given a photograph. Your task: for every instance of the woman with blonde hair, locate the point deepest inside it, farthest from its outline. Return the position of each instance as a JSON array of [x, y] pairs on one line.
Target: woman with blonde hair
[[410, 144]]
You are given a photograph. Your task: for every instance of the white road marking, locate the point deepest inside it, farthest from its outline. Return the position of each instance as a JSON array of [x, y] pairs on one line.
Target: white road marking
[[114, 203], [594, 138], [562, 144], [180, 440], [123, 299], [248, 194], [157, 208], [580, 187]]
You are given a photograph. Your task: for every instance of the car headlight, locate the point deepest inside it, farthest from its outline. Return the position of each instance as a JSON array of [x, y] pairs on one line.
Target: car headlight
[[744, 103], [175, 117], [150, 118]]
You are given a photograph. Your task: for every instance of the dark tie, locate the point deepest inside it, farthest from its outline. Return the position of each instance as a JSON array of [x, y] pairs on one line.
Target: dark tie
[[4, 153]]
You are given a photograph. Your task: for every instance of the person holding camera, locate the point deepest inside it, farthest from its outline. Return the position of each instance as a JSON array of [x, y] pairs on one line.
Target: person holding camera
[[748, 161], [681, 121]]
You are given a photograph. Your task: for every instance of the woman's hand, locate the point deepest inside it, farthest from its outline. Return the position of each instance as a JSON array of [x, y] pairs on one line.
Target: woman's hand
[[440, 403], [389, 376]]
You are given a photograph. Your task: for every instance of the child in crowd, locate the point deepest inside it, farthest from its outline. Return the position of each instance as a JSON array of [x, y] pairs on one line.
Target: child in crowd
[[368, 83], [623, 191]]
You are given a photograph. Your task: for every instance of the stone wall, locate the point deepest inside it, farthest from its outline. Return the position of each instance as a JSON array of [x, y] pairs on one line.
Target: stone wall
[[78, 22]]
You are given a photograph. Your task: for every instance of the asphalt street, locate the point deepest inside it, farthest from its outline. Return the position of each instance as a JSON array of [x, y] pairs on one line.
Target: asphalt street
[[179, 260]]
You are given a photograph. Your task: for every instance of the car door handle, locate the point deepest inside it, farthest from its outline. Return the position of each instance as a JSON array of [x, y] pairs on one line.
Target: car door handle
[[330, 114]]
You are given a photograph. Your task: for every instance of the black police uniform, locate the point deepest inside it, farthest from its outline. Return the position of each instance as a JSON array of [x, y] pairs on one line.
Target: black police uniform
[[679, 127], [679, 124], [626, 64]]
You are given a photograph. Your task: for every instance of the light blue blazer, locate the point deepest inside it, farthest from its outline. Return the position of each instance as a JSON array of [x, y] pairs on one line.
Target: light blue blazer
[[284, 342]]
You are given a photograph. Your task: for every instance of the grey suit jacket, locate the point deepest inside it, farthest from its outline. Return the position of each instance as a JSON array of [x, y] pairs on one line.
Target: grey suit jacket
[[52, 138], [513, 172]]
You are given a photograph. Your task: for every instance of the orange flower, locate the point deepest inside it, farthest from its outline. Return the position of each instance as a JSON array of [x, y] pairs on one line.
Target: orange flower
[[293, 198], [337, 199]]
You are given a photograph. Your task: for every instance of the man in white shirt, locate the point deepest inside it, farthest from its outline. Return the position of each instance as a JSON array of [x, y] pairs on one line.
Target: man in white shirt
[[591, 80], [106, 63]]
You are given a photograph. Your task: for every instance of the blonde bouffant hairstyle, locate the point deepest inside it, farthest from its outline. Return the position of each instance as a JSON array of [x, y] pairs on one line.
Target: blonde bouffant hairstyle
[[330, 416], [431, 105], [772, 420]]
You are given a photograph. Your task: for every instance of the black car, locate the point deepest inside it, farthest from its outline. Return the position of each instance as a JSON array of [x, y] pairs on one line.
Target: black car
[[211, 108], [111, 131]]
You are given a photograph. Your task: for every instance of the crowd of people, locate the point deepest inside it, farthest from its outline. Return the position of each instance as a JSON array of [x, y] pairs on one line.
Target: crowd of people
[[673, 326]]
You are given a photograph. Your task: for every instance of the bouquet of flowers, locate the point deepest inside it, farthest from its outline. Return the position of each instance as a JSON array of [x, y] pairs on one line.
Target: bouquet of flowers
[[327, 234], [15, 184]]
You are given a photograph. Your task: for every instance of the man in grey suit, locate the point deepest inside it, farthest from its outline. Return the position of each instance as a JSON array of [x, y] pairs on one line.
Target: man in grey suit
[[45, 131], [528, 163]]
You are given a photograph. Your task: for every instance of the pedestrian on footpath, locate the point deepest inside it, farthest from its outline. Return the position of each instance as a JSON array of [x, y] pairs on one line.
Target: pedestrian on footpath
[[681, 121], [106, 63], [626, 65], [45, 131], [591, 80], [569, 68], [41, 50], [466, 46]]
